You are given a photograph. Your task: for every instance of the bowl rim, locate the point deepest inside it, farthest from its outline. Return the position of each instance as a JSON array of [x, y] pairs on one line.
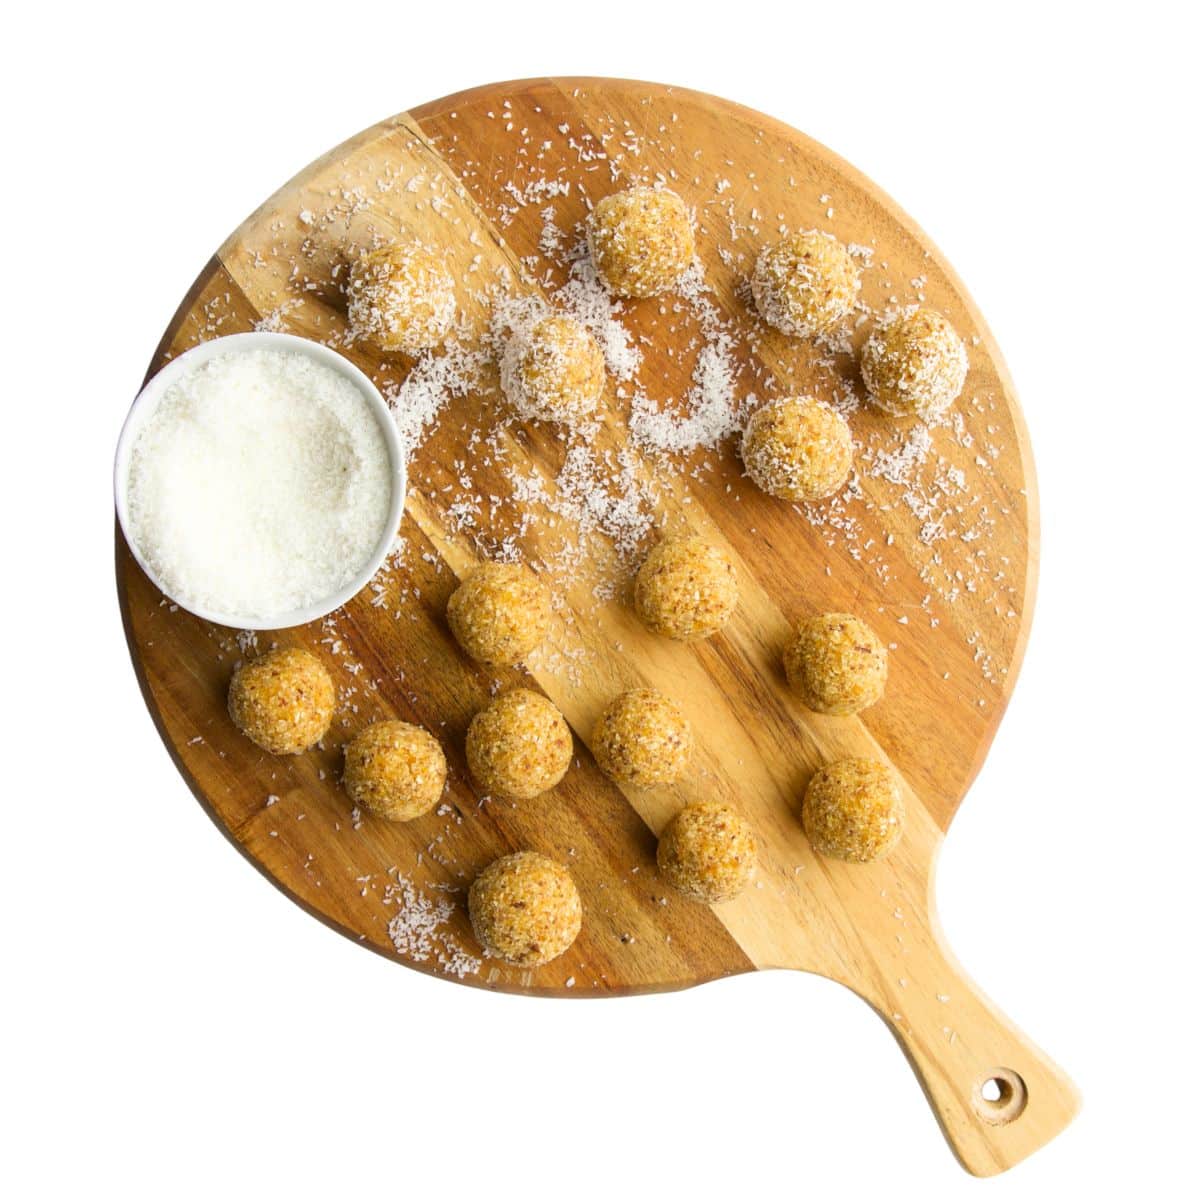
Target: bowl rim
[[151, 394]]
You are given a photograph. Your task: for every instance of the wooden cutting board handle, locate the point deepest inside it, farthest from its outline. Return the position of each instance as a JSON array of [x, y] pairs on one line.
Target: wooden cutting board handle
[[997, 1097]]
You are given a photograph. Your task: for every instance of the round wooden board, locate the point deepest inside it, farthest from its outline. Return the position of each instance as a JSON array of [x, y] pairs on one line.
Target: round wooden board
[[934, 544]]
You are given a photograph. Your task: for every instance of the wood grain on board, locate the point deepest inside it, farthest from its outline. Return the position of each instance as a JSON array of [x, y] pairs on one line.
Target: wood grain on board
[[934, 545]]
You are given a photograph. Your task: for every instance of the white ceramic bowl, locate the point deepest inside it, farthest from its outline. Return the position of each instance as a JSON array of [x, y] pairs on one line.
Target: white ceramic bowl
[[148, 400]]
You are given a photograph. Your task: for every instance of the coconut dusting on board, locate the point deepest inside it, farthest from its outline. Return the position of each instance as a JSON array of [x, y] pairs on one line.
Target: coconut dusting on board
[[685, 370]]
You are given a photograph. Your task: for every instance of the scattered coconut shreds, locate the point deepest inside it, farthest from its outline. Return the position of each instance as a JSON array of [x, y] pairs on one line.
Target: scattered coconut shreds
[[275, 321], [898, 465], [709, 417], [438, 377], [685, 372], [551, 241], [596, 493], [512, 316], [710, 408], [587, 300], [417, 928]]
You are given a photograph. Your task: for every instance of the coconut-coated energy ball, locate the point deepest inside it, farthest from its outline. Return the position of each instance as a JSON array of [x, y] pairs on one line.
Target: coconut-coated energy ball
[[400, 298], [708, 852], [519, 746], [853, 810], [641, 241], [914, 364], [686, 589], [525, 909], [642, 738], [798, 449], [282, 701], [804, 283], [836, 663], [395, 770], [554, 371], [499, 613]]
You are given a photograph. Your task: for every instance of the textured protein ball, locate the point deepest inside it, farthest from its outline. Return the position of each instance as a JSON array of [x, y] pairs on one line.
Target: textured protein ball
[[798, 449], [400, 298], [686, 589], [525, 909], [553, 372], [853, 810], [708, 852], [837, 664], [641, 241], [519, 746], [804, 283], [395, 770], [499, 613], [642, 738], [282, 701], [914, 364]]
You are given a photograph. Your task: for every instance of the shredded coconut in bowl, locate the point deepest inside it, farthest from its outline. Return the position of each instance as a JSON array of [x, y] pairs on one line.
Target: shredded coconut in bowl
[[260, 485]]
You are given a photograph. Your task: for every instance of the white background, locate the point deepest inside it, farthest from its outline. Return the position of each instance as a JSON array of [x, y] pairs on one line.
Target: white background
[[173, 1026]]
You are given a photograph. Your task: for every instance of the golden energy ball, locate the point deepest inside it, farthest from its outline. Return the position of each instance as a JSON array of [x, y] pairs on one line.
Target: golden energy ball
[[798, 449], [525, 909], [641, 241], [853, 810], [804, 283], [395, 770], [708, 852], [519, 746], [282, 701], [553, 372], [642, 738], [400, 298], [837, 664], [686, 589], [914, 364], [499, 613]]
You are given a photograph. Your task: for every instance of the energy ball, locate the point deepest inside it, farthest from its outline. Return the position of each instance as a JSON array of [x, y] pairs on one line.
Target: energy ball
[[686, 589], [282, 701], [519, 746], [798, 449], [395, 770], [836, 663], [914, 364], [400, 298], [708, 852], [499, 613], [553, 372], [853, 810], [641, 241], [525, 909], [804, 283], [642, 738]]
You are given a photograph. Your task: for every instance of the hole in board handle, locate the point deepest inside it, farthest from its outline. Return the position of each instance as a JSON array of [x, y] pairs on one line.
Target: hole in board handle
[[1001, 1096]]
